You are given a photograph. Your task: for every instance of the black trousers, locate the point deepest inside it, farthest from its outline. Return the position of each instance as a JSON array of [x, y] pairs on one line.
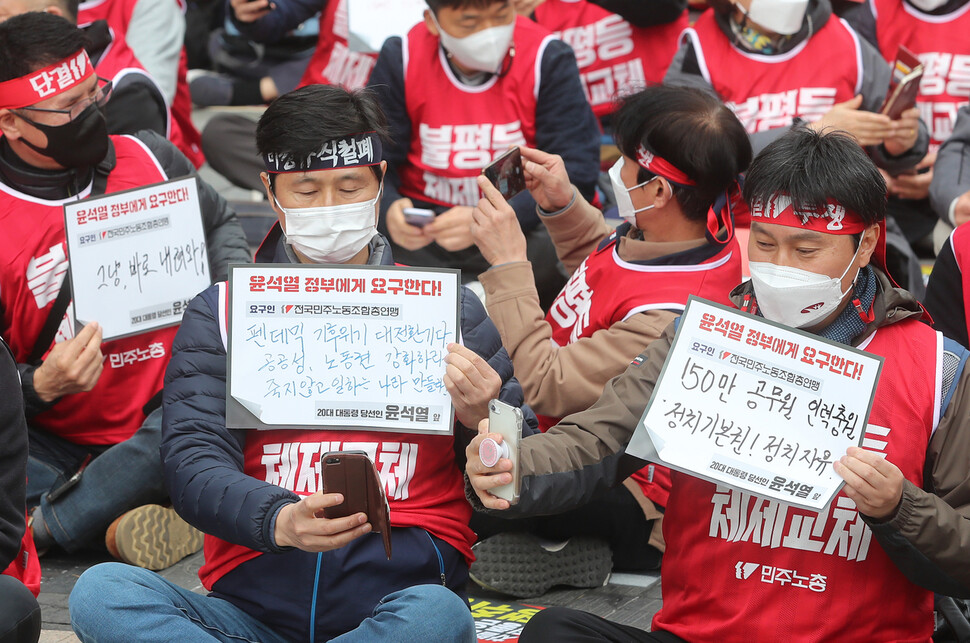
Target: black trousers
[[19, 612], [564, 625]]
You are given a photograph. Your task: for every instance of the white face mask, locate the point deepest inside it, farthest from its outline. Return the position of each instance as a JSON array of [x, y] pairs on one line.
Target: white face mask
[[927, 5], [331, 234], [483, 50], [780, 16], [795, 297], [624, 203]]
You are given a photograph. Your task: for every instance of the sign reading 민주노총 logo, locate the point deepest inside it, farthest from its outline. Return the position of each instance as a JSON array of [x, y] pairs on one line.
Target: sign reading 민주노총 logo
[[755, 405], [314, 346], [136, 257]]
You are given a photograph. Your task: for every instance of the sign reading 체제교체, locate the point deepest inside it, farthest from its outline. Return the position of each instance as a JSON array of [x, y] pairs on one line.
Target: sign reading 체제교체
[[314, 346], [762, 407], [136, 257]]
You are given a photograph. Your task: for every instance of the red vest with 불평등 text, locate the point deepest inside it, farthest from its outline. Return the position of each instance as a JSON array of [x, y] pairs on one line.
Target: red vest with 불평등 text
[[767, 92], [614, 57], [458, 129]]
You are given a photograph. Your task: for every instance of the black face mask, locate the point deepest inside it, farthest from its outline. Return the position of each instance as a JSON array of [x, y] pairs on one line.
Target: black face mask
[[80, 143]]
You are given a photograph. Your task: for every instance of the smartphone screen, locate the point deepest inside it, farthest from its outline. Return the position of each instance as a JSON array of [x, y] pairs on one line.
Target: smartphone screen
[[506, 173]]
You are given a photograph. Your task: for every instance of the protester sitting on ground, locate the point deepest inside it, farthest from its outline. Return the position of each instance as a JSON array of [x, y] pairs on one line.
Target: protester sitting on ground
[[934, 30], [263, 540], [228, 139], [620, 47], [252, 73], [948, 289], [81, 402], [775, 63], [155, 32], [905, 497], [682, 153], [137, 101], [19, 611], [458, 90]]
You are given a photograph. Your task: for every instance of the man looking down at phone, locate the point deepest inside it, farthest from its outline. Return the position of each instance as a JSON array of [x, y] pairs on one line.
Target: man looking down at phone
[[682, 153], [780, 62], [898, 529], [462, 87], [277, 568]]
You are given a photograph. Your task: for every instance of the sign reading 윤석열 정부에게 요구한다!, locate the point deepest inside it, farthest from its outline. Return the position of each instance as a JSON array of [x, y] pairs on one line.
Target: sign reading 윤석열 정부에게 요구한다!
[[755, 405], [314, 346], [136, 257]]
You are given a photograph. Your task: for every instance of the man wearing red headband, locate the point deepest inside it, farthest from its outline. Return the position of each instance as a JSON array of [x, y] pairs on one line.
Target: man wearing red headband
[[818, 205], [627, 285], [55, 149]]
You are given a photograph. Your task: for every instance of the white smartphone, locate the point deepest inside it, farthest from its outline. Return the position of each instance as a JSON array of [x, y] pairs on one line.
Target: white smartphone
[[506, 420], [418, 216]]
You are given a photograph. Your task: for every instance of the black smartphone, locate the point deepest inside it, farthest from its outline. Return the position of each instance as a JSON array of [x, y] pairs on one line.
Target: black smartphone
[[506, 173]]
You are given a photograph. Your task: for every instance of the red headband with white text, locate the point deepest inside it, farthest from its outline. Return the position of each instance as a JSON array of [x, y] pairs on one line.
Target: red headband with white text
[[661, 167], [47, 82], [835, 218], [351, 151]]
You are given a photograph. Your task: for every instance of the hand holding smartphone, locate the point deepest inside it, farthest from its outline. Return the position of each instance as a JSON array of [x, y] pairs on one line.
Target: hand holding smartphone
[[506, 420], [506, 173], [352, 474]]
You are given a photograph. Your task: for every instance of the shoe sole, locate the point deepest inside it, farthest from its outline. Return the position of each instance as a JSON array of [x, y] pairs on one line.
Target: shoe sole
[[155, 537], [517, 565]]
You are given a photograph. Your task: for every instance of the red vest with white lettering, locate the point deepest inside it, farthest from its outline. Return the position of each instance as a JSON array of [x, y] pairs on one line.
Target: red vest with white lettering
[[943, 46], [614, 57], [742, 568], [33, 265], [424, 486], [768, 91], [333, 63], [606, 290], [456, 129], [182, 133]]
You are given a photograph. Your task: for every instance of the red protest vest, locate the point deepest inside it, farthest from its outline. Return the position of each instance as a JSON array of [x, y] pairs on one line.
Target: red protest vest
[[26, 566], [960, 241], [456, 129], [333, 63], [943, 46], [614, 57], [605, 290], [424, 486], [33, 265], [742, 568], [769, 91], [182, 133]]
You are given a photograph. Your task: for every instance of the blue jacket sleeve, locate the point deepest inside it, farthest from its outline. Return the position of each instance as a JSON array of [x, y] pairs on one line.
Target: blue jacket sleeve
[[286, 17], [201, 458]]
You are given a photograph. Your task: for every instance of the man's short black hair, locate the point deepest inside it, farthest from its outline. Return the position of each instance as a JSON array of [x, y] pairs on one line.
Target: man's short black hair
[[33, 40], [812, 167], [692, 130], [298, 123], [436, 5]]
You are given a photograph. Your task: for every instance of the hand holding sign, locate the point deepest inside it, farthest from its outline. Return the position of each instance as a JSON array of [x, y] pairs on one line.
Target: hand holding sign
[[872, 482], [471, 383], [72, 366]]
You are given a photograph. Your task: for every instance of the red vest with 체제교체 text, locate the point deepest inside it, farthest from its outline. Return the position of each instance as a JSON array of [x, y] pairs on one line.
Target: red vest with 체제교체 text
[[33, 266], [942, 44], [614, 57], [742, 568], [333, 63], [767, 92], [458, 129]]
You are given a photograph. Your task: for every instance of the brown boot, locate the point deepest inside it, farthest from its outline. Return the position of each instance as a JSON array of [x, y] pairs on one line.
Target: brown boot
[[152, 536]]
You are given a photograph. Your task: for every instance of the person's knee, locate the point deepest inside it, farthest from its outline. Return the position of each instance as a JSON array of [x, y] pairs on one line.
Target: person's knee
[[439, 605], [547, 625], [19, 612], [103, 588]]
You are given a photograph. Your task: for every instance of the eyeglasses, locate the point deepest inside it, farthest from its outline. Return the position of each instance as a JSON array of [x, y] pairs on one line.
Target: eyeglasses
[[101, 96]]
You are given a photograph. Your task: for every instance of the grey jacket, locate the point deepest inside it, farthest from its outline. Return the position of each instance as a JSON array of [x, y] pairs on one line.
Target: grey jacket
[[951, 172]]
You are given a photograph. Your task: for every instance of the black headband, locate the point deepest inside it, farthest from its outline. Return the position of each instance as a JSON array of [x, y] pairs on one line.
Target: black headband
[[351, 151]]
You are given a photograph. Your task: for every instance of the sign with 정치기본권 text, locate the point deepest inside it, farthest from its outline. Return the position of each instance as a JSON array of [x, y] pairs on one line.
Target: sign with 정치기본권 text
[[136, 257], [762, 407], [313, 346]]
